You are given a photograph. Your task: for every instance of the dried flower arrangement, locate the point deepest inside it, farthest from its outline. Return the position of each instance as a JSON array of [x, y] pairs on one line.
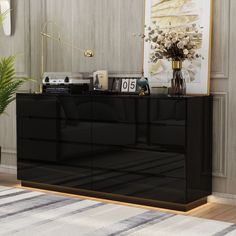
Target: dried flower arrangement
[[175, 44]]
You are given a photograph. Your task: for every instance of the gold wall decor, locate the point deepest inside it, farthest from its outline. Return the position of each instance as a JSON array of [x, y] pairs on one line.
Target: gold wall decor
[[44, 35], [175, 14]]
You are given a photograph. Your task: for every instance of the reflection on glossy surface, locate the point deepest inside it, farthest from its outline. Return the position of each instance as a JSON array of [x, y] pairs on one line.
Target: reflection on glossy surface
[[150, 147]]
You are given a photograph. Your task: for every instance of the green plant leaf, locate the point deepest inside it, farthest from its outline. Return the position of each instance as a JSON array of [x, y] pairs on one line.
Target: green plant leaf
[[8, 83]]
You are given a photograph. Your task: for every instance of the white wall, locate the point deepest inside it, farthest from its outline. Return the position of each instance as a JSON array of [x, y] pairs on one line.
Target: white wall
[[125, 16], [17, 44]]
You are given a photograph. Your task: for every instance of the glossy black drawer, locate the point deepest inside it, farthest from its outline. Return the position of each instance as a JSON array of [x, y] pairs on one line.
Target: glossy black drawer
[[146, 163], [54, 129], [28, 149], [168, 135], [64, 174], [29, 127], [75, 131], [51, 151], [113, 133], [137, 185], [76, 108], [168, 111], [113, 110], [163, 189], [36, 107]]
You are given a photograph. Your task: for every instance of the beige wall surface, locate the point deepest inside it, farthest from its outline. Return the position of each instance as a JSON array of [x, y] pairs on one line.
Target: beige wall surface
[[108, 27]]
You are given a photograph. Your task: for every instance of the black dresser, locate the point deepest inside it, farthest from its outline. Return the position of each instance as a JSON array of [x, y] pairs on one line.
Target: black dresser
[[147, 150]]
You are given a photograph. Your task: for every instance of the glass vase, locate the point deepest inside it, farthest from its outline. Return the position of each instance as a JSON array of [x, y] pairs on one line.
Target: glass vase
[[178, 85]]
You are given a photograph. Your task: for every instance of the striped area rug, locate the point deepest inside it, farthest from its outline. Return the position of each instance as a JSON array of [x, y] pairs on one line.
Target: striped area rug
[[24, 212]]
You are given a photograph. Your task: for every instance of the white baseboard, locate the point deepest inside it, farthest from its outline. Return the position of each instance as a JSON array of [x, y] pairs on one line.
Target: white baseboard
[[8, 169], [223, 198]]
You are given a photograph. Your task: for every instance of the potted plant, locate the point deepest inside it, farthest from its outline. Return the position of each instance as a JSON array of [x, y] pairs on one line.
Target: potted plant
[[8, 83]]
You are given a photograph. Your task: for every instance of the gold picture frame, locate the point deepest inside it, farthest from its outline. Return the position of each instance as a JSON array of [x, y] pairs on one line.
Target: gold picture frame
[[179, 13]]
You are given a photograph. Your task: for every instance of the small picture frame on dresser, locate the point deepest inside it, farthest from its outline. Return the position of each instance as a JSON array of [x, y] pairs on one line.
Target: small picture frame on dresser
[[100, 80]]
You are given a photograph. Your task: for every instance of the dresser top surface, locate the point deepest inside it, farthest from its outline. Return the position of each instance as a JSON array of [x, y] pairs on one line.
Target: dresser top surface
[[113, 95]]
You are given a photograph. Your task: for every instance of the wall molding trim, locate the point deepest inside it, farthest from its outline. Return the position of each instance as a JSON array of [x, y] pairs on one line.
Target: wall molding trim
[[9, 151], [221, 40], [8, 158], [26, 53], [8, 169], [220, 134]]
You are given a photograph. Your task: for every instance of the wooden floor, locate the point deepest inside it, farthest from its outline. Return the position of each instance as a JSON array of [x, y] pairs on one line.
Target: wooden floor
[[214, 211]]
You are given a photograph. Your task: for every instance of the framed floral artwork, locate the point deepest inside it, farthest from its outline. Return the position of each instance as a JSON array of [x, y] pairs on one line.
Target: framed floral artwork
[[183, 25]]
